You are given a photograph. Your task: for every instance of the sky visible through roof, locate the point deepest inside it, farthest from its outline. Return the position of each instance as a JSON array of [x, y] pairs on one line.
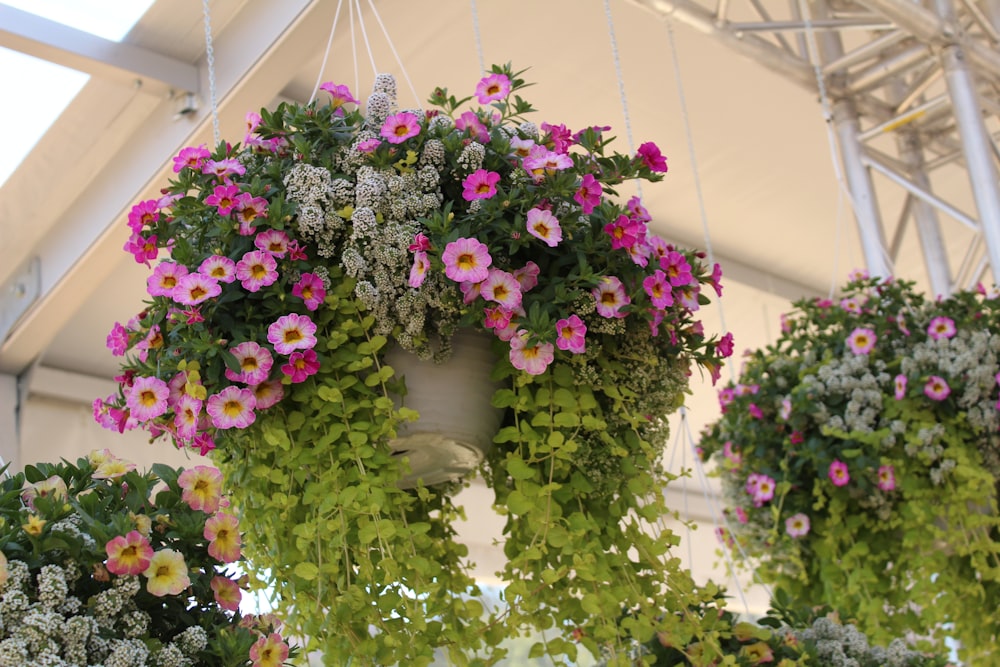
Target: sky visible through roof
[[38, 91]]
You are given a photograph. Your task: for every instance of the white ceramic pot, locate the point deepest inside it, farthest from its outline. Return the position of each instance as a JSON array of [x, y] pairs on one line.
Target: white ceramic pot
[[457, 421]]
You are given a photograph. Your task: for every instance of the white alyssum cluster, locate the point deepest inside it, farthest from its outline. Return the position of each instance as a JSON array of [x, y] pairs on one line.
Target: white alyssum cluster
[[844, 645]]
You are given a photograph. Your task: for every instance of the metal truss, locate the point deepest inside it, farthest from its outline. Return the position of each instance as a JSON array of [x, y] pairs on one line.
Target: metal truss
[[912, 93]]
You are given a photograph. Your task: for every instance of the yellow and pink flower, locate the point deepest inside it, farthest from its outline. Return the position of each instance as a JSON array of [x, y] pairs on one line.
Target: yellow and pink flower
[[167, 573], [269, 651], [223, 533], [128, 554], [202, 488]]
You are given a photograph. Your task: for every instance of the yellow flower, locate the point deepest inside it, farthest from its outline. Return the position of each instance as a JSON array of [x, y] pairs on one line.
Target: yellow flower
[[143, 523], [167, 573], [34, 525], [113, 468]]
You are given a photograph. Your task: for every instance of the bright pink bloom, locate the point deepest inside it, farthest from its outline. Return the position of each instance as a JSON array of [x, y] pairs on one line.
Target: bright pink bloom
[[851, 305], [144, 214], [224, 168], [941, 327], [610, 297], [755, 411], [418, 272], [724, 348], [502, 288], [527, 277], [143, 248], [637, 211], [716, 279], [677, 268], [117, 340], [164, 278], [688, 296], [470, 292], [253, 121], [223, 534], [588, 195], [571, 334], [900, 382], [272, 241], [624, 232], [268, 393], [797, 525], [339, 94], [532, 359], [232, 407], [218, 268], [192, 158], [255, 363], [497, 317], [296, 251], [227, 592], [292, 332], [187, 411], [195, 288], [201, 488], [301, 365], [128, 554], [399, 127], [223, 197], [838, 473], [310, 289], [256, 269], [544, 226], [886, 478], [651, 157], [368, 145], [936, 388], [521, 148], [658, 289], [796, 438], [541, 162], [420, 242], [147, 399], [559, 136], [492, 88], [861, 341], [480, 184], [249, 208], [466, 260], [760, 487], [470, 122]]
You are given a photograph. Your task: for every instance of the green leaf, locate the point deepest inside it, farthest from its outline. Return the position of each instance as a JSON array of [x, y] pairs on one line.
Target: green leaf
[[518, 503], [518, 468], [307, 571]]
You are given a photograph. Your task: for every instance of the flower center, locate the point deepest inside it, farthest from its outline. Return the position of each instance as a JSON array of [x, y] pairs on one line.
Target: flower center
[[197, 292], [232, 408], [466, 261], [147, 398], [258, 271], [293, 335]]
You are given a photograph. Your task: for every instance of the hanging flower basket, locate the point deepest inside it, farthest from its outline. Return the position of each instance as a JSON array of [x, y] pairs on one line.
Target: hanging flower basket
[[860, 455], [310, 267]]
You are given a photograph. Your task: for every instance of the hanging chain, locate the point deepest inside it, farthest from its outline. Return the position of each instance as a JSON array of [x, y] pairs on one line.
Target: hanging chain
[[478, 36], [621, 85], [210, 57]]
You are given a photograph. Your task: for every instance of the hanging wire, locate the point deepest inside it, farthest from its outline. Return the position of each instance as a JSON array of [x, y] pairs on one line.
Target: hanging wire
[[210, 58], [354, 47], [364, 35], [621, 84], [479, 38], [392, 48], [326, 52]]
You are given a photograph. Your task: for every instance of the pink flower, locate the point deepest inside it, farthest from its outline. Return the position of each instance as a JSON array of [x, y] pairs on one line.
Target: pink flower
[[741, 515], [142, 248], [269, 651], [201, 488], [760, 487], [117, 340], [851, 305], [310, 289], [941, 327], [268, 393], [223, 197], [838, 473], [610, 297], [532, 359], [218, 268], [470, 122], [638, 212], [541, 162], [520, 148], [570, 334], [368, 145], [128, 554], [544, 226], [497, 317], [651, 157], [420, 242], [187, 411], [688, 296], [144, 214], [724, 348], [755, 411], [232, 407], [527, 277], [716, 279], [418, 272], [492, 88], [731, 454], [559, 136], [625, 232], [222, 532], [677, 268], [248, 209], [195, 288], [255, 363], [480, 184], [658, 289], [292, 332], [255, 270], [861, 341], [900, 382], [164, 278], [227, 592], [339, 94], [796, 438], [147, 398], [191, 158], [886, 478], [273, 242], [502, 288], [797, 525], [224, 168], [301, 365], [936, 388], [466, 260], [588, 195], [399, 127]]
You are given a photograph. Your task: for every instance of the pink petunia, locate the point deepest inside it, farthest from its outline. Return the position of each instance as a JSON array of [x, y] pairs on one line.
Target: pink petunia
[[658, 289], [420, 242], [900, 383], [677, 268], [272, 241], [418, 272], [497, 317], [268, 393], [257, 269], [588, 195], [339, 94], [310, 289], [466, 260], [838, 473], [558, 136], [469, 122], [301, 365], [201, 488], [255, 363], [368, 145], [269, 651], [520, 148], [527, 276], [688, 296], [492, 88], [147, 399], [732, 454], [544, 226], [223, 197], [755, 411], [233, 407], [128, 554], [218, 268], [571, 334], [542, 162], [227, 592], [144, 214], [117, 340], [480, 184], [937, 388], [143, 248], [248, 209], [797, 525], [191, 158], [724, 348], [650, 155], [610, 297], [164, 278], [861, 341], [187, 411], [223, 534], [532, 359], [761, 488], [292, 332], [741, 515], [195, 288], [502, 288], [624, 232], [399, 127], [224, 168], [886, 478], [941, 327]]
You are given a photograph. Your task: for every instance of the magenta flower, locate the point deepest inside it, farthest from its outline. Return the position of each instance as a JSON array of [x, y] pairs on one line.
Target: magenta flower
[[292, 332], [480, 184], [117, 340], [838, 473], [218, 268], [741, 515], [886, 478], [142, 248], [558, 136], [399, 127], [187, 412], [637, 211], [755, 411], [588, 195], [502, 288], [533, 359], [544, 226], [851, 305], [900, 382], [677, 268], [688, 296], [470, 122], [658, 288], [195, 288], [147, 399], [224, 168], [368, 145], [144, 214], [418, 272], [861, 341], [651, 157], [301, 365], [227, 592], [164, 278], [492, 88], [761, 488], [233, 407], [716, 279], [255, 363], [339, 94], [191, 158], [797, 525], [223, 197], [466, 260], [941, 327], [724, 348], [420, 242], [571, 334], [624, 232], [936, 388], [497, 317], [610, 297], [310, 289], [272, 241], [249, 208], [256, 269], [541, 162]]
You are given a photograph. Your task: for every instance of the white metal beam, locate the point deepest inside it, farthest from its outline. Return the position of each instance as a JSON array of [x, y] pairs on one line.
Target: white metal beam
[[10, 443], [39, 37]]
